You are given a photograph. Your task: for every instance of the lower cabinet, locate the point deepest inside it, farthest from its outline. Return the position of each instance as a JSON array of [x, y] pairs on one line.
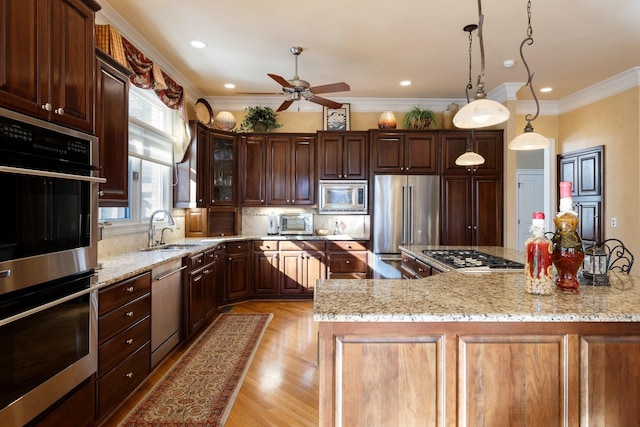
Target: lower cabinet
[[238, 270], [124, 341], [206, 287], [348, 260], [266, 268], [302, 263]]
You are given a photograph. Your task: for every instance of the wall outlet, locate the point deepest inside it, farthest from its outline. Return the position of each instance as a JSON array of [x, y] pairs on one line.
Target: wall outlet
[[614, 222]]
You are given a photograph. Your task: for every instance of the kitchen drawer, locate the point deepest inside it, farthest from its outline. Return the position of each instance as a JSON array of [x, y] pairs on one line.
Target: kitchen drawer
[[423, 269], [302, 245], [123, 292], [355, 262], [348, 246], [238, 247], [114, 387], [196, 261], [408, 262], [122, 345], [123, 317], [265, 245]]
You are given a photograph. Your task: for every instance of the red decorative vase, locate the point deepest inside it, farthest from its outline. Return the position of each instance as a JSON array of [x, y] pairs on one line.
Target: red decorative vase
[[568, 253]]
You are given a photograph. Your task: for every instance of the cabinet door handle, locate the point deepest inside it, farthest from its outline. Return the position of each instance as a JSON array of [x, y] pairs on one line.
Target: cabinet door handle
[[46, 106], [59, 111], [129, 341], [129, 289], [129, 375], [129, 313], [347, 262]]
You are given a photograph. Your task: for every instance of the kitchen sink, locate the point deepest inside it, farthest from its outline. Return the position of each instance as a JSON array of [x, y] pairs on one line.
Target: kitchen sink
[[171, 247]]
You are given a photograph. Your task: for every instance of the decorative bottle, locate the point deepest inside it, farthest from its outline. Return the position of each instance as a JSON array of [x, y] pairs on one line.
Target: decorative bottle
[[568, 252], [538, 265]]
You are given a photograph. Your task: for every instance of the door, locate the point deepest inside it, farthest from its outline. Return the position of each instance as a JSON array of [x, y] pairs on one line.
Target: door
[[388, 212], [456, 210], [530, 199], [423, 205]]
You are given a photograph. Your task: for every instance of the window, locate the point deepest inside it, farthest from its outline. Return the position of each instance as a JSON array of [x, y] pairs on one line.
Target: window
[[151, 129]]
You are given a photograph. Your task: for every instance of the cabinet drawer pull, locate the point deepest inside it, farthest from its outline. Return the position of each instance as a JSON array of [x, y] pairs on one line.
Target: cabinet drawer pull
[[347, 262], [129, 375], [129, 313], [129, 289], [129, 341]]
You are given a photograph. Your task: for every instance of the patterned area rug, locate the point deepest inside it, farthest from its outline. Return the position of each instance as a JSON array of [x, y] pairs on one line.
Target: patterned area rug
[[199, 390]]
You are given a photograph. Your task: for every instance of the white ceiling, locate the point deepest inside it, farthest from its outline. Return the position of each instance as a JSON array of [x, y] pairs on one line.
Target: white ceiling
[[373, 44]]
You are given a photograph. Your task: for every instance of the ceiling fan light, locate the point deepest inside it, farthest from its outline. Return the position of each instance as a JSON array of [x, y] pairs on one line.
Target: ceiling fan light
[[529, 140], [481, 113], [469, 158]]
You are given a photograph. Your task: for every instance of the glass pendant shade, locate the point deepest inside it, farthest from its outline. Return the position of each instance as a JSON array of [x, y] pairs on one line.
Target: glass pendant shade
[[529, 140], [480, 113], [469, 158]]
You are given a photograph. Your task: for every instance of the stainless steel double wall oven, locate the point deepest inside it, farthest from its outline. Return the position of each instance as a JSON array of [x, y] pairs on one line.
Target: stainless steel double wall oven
[[48, 252]]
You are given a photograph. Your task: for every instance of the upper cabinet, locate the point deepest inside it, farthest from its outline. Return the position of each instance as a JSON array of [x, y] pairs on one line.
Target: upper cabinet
[[291, 176], [487, 143], [253, 175], [112, 129], [47, 60], [210, 164], [404, 152], [343, 155]]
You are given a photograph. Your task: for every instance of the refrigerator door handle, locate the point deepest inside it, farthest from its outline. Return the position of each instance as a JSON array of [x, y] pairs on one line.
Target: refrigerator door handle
[[410, 216], [404, 213]]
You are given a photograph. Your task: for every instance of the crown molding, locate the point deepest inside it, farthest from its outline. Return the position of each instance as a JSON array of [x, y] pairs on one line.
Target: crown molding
[[608, 87]]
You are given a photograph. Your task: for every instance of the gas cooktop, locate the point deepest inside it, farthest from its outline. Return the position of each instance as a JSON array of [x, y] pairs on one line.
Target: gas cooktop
[[471, 259]]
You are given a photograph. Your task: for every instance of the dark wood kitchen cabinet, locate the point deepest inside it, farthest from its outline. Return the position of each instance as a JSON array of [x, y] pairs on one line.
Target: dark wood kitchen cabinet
[[212, 203], [124, 340], [291, 169], [471, 197], [302, 263], [343, 155], [47, 60], [585, 170], [112, 129], [266, 268], [348, 259], [404, 152], [253, 170], [238, 271]]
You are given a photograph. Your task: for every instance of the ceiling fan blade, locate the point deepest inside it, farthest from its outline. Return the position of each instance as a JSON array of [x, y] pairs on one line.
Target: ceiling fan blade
[[323, 101], [333, 87], [280, 80], [285, 105]]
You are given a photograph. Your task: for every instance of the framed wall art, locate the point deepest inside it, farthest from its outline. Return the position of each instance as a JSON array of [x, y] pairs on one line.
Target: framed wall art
[[336, 118]]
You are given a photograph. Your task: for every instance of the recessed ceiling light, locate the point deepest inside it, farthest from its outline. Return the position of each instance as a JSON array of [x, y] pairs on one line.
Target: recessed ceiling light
[[198, 44], [508, 63], [546, 89], [229, 85], [405, 83]]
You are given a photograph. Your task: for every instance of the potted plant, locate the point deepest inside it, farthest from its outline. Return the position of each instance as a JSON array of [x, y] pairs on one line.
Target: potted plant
[[259, 119], [419, 118]]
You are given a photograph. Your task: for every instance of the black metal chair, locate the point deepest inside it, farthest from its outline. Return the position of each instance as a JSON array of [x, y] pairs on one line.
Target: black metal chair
[[618, 256]]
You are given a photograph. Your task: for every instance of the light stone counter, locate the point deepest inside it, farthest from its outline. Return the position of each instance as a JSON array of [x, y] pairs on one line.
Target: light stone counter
[[123, 266], [479, 297]]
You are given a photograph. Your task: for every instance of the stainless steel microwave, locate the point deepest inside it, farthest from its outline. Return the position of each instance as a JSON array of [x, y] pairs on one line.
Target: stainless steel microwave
[[343, 197]]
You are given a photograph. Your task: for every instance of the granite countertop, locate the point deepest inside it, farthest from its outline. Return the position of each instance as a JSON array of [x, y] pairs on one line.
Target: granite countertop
[[453, 296], [123, 266]]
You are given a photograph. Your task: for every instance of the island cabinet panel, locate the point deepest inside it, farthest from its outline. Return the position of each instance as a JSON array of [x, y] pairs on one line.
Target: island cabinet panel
[[610, 374], [479, 373], [365, 362], [521, 380]]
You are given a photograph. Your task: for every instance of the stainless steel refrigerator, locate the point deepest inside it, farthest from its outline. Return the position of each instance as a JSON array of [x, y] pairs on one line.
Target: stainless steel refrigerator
[[406, 211]]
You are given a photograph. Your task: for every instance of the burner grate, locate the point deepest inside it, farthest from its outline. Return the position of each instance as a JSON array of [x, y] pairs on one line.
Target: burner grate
[[459, 258]]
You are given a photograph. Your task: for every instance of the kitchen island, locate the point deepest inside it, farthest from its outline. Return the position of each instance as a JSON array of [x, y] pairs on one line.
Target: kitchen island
[[476, 349]]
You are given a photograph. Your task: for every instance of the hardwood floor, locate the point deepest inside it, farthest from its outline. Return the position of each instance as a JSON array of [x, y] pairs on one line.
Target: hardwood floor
[[281, 387]]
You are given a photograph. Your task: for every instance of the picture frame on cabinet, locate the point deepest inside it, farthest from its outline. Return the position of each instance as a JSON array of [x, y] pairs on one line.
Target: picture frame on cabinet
[[336, 119]]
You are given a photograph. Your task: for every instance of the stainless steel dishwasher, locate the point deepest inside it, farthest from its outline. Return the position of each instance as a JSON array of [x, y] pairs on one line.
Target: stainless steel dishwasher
[[166, 308]]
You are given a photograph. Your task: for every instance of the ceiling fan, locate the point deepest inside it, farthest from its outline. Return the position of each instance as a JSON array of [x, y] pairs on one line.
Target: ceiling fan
[[297, 89]]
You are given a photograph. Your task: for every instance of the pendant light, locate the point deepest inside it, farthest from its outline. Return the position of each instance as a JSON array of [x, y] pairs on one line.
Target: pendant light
[[481, 112], [469, 157], [529, 140]]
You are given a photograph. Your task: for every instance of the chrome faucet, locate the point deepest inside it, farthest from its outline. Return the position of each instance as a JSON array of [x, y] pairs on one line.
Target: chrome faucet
[[152, 228]]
